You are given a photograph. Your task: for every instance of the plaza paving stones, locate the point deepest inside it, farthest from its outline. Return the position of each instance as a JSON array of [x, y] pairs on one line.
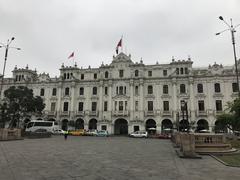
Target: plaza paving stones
[[101, 158]]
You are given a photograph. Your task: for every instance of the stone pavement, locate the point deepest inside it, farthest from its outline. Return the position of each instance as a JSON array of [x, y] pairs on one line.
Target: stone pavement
[[101, 158]]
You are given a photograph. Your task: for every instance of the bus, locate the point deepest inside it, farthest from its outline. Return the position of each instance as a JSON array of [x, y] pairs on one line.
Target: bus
[[33, 125]]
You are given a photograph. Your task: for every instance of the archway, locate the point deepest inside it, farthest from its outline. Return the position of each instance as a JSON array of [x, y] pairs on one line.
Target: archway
[[92, 124], [183, 125], [167, 125], [65, 124], [121, 127], [219, 127], [201, 125], [79, 124], [151, 126]]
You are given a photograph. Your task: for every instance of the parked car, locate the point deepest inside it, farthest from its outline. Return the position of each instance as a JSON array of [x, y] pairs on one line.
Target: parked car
[[102, 133], [163, 136], [91, 132], [58, 131], [79, 132], [139, 134]]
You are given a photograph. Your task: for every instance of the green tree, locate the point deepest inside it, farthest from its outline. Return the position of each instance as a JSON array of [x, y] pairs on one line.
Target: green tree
[[231, 120], [21, 103]]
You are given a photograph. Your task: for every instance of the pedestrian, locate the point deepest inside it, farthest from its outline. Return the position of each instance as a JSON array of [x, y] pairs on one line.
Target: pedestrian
[[65, 135]]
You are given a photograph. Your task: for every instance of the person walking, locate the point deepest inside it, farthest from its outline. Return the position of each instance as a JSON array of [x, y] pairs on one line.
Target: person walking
[[65, 135]]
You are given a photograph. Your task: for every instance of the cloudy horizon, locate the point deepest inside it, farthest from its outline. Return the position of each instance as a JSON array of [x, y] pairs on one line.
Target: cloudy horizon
[[48, 31]]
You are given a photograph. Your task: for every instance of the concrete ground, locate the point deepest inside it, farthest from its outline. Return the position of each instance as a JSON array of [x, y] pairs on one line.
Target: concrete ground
[[101, 158]]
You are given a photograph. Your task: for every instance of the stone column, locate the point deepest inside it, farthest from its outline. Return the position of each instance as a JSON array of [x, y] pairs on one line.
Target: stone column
[[192, 108], [174, 99], [100, 109], [59, 100], [131, 100], [73, 104]]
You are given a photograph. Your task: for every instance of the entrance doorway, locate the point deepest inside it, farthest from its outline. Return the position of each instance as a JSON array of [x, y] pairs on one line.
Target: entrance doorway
[[121, 127]]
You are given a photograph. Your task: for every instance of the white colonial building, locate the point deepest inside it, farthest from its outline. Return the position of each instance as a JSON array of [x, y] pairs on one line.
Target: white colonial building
[[125, 96]]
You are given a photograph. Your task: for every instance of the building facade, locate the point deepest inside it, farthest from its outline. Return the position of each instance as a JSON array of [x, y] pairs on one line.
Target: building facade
[[125, 96]]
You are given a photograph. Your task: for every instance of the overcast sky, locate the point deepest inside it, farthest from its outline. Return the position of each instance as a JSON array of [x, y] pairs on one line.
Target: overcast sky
[[48, 31]]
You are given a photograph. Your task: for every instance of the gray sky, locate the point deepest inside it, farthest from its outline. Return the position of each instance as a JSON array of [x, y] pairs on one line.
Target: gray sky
[[49, 30]]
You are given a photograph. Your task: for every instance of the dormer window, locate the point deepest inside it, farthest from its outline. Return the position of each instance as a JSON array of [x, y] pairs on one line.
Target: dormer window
[[182, 88], [164, 72], [82, 76], [136, 73], [177, 71], [181, 70], [95, 75], [149, 73], [67, 91], [217, 88], [106, 74], [42, 92], [121, 73]]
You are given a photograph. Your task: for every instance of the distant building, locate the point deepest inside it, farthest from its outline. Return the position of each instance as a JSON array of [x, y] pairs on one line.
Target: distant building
[[125, 96]]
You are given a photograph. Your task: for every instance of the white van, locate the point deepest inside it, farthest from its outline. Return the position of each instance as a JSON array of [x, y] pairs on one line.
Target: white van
[[33, 125]]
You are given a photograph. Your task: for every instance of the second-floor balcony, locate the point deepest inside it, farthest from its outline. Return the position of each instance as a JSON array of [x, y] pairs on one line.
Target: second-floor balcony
[[64, 113], [202, 113], [80, 113], [121, 113], [93, 113], [167, 113], [150, 113]]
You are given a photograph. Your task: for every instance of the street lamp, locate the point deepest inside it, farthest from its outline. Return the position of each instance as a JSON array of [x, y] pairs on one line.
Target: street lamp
[[232, 28], [184, 114], [6, 46]]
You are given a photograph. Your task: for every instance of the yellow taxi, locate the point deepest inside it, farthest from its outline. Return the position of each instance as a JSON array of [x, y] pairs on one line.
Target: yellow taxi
[[79, 132]]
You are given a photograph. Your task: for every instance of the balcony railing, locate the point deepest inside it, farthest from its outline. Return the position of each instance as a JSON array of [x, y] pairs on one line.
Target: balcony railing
[[80, 113], [202, 113], [121, 113], [93, 113], [64, 113], [149, 113], [167, 113]]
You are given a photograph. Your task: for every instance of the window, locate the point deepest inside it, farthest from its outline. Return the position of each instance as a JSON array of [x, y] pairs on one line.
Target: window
[[106, 91], [53, 106], [125, 90], [81, 91], [201, 105], [95, 75], [115, 105], [94, 106], [42, 92], [199, 88], [82, 76], [136, 73], [183, 105], [54, 92], [182, 88], [121, 73], [149, 73], [104, 127], [234, 87], [67, 75], [117, 90], [65, 106], [125, 105], [165, 105], [121, 90], [164, 72], [181, 70], [136, 105], [67, 91], [218, 105], [136, 90], [106, 74], [94, 92], [150, 105], [165, 89], [105, 105], [150, 89], [64, 76], [80, 106], [217, 88], [177, 71], [120, 105], [186, 70]]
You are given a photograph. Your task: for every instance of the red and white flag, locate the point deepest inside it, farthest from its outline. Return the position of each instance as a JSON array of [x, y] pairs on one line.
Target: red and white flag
[[71, 55], [119, 45]]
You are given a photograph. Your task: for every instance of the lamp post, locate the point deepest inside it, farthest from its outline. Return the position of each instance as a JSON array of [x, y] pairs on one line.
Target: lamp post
[[184, 114], [6, 46], [232, 28]]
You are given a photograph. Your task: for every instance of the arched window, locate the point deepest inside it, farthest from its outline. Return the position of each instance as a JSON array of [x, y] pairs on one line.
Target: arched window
[[181, 70], [67, 75], [64, 76], [182, 88], [217, 88], [150, 89], [106, 74], [200, 88], [136, 73], [67, 91]]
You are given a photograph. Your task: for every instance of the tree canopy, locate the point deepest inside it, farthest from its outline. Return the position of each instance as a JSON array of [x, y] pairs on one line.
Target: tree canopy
[[19, 102], [231, 120]]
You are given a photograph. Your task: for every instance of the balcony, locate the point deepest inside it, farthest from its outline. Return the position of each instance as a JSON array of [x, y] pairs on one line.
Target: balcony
[[121, 113], [80, 113], [149, 113], [51, 113], [65, 113], [93, 113], [202, 113], [166, 113]]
